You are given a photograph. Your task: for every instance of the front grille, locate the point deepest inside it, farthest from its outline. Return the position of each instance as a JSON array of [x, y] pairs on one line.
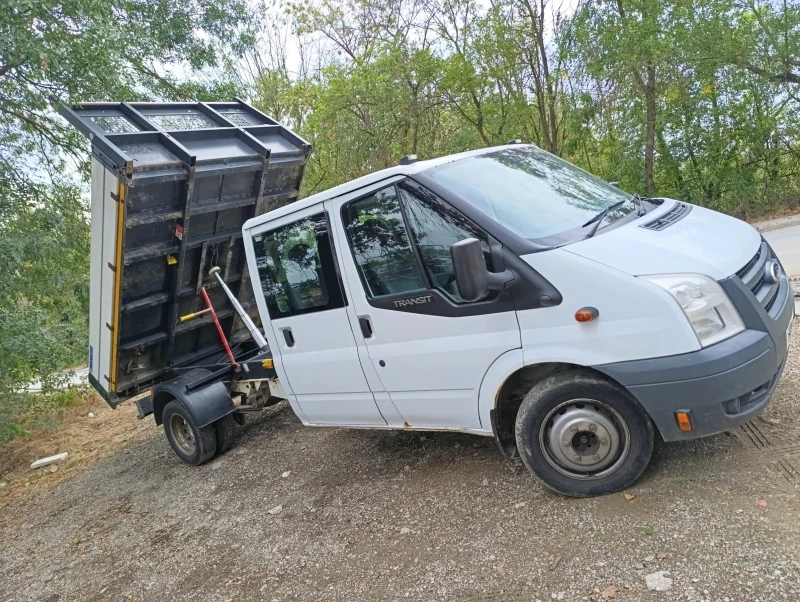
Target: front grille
[[749, 265], [677, 213], [753, 276], [771, 302]]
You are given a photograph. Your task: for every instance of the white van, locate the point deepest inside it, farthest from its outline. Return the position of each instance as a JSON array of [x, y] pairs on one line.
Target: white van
[[507, 293]]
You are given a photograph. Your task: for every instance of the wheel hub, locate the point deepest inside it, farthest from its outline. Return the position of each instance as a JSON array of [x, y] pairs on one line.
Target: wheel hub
[[183, 435], [585, 443], [584, 439]]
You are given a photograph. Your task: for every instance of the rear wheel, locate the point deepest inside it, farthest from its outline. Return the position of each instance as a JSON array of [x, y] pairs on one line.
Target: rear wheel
[[225, 431], [193, 445], [583, 435]]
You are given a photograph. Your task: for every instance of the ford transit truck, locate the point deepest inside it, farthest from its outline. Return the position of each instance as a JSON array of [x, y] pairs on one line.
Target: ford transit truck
[[502, 292]]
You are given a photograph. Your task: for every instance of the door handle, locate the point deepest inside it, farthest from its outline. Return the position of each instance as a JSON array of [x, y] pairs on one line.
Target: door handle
[[366, 327], [288, 337]]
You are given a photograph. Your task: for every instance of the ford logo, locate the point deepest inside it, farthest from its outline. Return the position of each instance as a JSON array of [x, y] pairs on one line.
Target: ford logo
[[772, 271]]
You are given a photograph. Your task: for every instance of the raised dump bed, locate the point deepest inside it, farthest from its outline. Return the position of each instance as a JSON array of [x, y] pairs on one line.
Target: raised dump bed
[[172, 185]]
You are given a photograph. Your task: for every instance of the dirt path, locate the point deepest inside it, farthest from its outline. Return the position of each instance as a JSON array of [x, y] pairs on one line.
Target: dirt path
[[88, 431], [383, 515]]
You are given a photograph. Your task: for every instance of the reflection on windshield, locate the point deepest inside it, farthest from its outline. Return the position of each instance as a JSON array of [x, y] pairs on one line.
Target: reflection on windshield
[[531, 192]]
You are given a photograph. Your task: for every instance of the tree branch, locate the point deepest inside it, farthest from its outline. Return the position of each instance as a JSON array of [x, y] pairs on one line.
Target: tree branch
[[787, 77]]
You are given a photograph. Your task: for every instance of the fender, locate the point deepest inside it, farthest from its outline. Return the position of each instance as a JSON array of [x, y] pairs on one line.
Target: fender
[[205, 405], [497, 374]]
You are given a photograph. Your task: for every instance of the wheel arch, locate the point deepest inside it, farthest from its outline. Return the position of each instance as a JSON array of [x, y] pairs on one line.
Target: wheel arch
[[160, 400], [513, 387], [205, 405]]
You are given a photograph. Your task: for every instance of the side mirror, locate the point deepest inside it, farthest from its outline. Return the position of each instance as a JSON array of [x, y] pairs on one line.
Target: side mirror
[[472, 278]]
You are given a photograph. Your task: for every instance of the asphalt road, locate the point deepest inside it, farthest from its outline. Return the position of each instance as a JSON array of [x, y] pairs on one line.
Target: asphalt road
[[786, 243]]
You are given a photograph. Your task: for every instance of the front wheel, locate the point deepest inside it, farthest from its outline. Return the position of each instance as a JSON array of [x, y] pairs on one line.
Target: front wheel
[[583, 435]]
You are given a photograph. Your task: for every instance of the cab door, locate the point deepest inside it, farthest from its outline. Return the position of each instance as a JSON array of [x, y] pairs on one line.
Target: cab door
[[429, 348], [307, 326]]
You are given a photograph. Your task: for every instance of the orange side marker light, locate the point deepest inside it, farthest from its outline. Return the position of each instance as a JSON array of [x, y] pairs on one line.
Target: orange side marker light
[[586, 314], [684, 422]]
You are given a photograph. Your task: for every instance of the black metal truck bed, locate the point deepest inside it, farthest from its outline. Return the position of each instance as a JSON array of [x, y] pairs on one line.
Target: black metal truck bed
[[172, 185]]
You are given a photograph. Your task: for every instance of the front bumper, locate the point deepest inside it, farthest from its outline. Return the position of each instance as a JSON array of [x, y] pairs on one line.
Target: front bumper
[[721, 386]]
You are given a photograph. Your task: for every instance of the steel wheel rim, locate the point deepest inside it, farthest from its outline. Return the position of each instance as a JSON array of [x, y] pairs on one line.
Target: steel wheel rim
[[584, 439], [182, 434]]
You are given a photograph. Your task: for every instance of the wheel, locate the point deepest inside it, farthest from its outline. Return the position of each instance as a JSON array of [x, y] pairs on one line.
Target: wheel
[[583, 435], [193, 445], [225, 431]]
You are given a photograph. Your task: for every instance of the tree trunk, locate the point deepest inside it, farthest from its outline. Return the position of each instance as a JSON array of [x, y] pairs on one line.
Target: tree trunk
[[650, 130]]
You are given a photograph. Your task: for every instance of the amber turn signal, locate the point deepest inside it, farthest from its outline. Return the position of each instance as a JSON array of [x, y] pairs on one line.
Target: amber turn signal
[[586, 314], [684, 422]]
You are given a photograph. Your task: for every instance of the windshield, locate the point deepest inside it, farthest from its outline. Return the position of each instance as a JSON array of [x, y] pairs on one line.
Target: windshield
[[533, 193]]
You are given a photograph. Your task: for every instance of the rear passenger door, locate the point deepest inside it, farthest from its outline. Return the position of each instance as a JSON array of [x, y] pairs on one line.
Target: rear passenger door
[[429, 348], [313, 344]]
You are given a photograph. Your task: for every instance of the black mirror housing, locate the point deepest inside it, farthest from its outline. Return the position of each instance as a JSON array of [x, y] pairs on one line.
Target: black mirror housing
[[472, 278]]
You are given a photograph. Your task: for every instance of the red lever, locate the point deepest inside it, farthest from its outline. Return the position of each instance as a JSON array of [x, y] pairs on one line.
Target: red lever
[[219, 329]]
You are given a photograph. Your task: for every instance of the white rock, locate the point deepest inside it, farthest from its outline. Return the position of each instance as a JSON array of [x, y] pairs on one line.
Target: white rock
[[91, 414], [2, 486], [660, 581], [485, 482], [650, 558], [50, 460], [405, 530], [275, 510], [286, 474]]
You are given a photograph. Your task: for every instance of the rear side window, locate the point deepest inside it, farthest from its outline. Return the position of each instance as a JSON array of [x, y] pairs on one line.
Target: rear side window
[[296, 268], [381, 245]]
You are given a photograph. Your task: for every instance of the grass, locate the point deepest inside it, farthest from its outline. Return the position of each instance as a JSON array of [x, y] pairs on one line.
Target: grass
[[21, 413]]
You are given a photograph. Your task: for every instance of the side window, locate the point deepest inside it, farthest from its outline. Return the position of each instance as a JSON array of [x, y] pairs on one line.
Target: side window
[[296, 267], [381, 246], [435, 227]]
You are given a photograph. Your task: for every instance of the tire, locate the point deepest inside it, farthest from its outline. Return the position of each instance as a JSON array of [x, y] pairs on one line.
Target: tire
[[225, 432], [583, 435], [191, 444]]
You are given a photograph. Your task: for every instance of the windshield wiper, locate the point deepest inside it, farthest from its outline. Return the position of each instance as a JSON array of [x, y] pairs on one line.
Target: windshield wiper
[[599, 218], [638, 198]]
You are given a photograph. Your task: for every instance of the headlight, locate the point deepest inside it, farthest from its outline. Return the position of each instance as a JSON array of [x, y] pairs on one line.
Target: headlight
[[705, 304]]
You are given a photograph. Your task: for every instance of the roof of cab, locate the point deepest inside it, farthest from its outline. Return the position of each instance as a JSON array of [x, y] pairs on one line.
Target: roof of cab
[[363, 181]]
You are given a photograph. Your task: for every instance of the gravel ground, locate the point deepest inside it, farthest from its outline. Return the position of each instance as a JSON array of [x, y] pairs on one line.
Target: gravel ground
[[371, 515]]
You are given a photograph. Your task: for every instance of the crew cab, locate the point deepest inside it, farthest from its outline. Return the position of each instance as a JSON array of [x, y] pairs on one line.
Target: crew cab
[[502, 292]]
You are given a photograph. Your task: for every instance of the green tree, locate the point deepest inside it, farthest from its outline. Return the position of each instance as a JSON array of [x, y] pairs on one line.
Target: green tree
[[74, 51]]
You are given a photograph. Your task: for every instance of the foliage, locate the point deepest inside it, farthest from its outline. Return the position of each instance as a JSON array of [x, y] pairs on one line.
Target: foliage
[[45, 285], [21, 413], [696, 99], [74, 51]]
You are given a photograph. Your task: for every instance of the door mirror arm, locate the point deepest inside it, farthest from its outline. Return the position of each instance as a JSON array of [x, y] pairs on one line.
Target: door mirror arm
[[472, 278]]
